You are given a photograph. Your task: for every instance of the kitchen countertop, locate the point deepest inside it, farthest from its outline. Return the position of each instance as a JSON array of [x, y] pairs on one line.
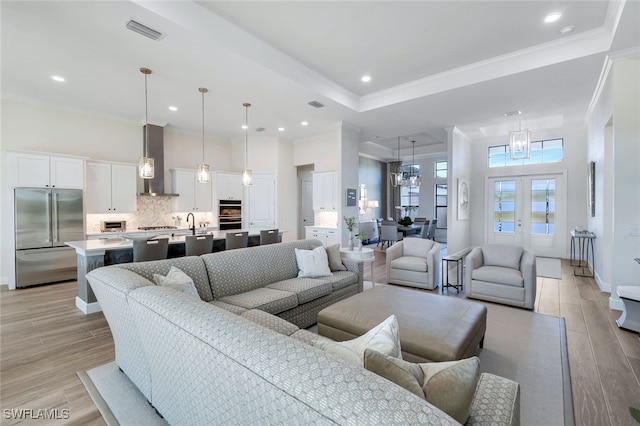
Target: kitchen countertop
[[100, 246]]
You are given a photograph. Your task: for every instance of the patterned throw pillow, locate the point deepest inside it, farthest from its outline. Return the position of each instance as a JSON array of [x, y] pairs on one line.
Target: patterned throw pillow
[[335, 261], [450, 385], [178, 280], [383, 338], [313, 263]]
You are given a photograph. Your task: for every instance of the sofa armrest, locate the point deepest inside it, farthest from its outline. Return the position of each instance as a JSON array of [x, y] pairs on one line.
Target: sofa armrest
[[393, 252], [496, 402], [434, 263], [357, 268], [528, 270], [473, 261]]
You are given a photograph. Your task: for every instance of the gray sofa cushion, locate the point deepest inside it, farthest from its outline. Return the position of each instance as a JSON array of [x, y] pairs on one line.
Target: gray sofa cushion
[[410, 263], [341, 279], [270, 321], [234, 309], [190, 265], [502, 255], [266, 299], [498, 275], [307, 289]]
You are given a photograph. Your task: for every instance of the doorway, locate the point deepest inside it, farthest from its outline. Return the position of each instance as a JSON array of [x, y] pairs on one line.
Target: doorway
[[528, 211], [306, 216]]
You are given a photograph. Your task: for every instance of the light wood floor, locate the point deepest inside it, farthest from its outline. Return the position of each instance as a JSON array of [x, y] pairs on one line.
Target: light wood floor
[[45, 340]]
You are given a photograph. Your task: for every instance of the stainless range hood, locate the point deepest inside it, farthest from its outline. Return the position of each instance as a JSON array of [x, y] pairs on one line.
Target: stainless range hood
[[155, 187]]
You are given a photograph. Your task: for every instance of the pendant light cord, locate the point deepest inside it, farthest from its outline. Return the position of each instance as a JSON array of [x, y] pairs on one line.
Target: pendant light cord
[[202, 90], [146, 119]]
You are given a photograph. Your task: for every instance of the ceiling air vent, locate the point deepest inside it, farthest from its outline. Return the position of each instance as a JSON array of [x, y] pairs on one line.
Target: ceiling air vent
[[260, 129], [316, 104], [139, 28]]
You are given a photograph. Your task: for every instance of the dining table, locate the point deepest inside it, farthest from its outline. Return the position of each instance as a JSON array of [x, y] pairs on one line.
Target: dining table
[[409, 229]]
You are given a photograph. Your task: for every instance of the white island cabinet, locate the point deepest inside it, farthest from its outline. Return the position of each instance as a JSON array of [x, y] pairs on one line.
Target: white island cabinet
[[193, 196], [45, 171], [111, 187]]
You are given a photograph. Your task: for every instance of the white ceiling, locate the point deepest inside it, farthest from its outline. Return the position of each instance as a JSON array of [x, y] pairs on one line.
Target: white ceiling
[[434, 64]]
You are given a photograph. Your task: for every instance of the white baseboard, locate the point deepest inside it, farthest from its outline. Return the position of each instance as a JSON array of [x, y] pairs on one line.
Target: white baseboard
[[616, 304], [604, 287], [88, 308]]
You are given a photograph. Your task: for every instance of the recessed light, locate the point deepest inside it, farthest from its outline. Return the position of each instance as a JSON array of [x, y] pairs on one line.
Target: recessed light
[[281, 129], [245, 127], [512, 113], [566, 30], [173, 108], [366, 78], [552, 17], [57, 78], [304, 123]]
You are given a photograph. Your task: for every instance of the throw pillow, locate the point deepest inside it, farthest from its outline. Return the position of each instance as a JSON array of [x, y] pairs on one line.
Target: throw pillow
[[313, 263], [383, 338], [178, 280], [335, 261], [450, 385]]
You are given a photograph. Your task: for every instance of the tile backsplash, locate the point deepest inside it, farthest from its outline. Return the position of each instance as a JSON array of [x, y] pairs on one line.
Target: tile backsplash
[[152, 211]]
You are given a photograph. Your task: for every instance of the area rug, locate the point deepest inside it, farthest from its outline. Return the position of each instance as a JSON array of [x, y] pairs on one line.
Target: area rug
[[549, 267], [531, 349], [521, 345]]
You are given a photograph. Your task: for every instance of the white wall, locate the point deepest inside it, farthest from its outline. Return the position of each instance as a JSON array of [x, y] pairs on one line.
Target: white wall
[[323, 151], [348, 174], [614, 132], [574, 165], [459, 158]]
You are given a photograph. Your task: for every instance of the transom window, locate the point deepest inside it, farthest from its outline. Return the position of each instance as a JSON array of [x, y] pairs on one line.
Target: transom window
[[549, 151]]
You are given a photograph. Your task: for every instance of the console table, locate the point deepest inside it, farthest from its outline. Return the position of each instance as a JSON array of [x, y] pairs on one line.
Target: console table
[[582, 242]]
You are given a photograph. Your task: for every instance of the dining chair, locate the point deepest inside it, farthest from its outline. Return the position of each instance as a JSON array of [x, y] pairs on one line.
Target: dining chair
[[431, 233], [269, 236], [424, 232], [389, 234], [236, 240], [152, 249], [195, 245]]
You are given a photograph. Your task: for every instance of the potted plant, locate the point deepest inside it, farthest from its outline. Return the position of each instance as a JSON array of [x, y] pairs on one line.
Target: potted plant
[[405, 221], [360, 236], [351, 225]]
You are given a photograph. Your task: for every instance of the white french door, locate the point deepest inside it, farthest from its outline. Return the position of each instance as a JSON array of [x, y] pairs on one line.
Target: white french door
[[528, 211]]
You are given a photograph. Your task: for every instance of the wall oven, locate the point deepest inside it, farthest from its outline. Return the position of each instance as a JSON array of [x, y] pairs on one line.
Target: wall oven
[[229, 214]]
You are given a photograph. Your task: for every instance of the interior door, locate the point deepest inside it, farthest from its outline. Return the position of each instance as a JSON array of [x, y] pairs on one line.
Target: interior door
[[306, 205], [262, 213], [528, 211]]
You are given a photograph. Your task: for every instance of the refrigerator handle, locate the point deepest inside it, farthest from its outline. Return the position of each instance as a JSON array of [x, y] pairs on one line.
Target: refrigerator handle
[[54, 217]]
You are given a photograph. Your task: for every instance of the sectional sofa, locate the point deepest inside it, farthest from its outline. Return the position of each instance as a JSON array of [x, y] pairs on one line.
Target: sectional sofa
[[213, 361]]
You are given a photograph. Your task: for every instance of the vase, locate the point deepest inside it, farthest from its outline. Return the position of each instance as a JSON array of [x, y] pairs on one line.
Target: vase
[[359, 245], [350, 240]]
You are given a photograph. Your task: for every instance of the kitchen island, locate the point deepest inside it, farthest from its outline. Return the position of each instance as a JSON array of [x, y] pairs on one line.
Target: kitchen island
[[94, 253]]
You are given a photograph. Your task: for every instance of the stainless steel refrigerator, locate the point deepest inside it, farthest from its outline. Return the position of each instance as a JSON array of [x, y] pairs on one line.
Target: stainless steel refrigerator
[[44, 220]]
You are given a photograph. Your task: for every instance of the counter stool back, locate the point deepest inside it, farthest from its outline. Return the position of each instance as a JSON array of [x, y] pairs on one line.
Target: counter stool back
[[195, 245], [235, 240], [145, 250], [269, 236]]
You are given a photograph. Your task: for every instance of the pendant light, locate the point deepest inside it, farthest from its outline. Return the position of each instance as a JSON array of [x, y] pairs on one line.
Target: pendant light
[[520, 143], [396, 177], [203, 169], [414, 180], [145, 165], [247, 176]]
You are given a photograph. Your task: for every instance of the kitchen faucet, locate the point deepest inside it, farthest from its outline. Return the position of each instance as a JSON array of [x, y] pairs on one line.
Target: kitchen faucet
[[193, 227]]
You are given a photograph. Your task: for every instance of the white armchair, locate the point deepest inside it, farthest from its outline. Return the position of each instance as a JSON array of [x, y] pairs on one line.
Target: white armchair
[[414, 262], [502, 274]]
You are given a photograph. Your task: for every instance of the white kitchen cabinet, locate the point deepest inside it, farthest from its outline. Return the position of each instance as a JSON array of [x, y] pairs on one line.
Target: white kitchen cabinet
[[262, 201], [193, 195], [45, 171], [229, 186], [325, 192], [327, 236], [111, 188]]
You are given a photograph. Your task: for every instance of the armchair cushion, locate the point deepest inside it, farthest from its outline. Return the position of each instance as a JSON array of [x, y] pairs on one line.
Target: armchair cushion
[[410, 263], [498, 275], [502, 255]]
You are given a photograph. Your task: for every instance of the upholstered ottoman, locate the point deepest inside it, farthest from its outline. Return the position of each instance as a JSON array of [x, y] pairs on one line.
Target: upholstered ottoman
[[432, 327]]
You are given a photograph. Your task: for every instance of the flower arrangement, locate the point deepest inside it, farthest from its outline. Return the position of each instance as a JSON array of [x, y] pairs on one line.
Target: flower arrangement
[[350, 222], [360, 236]]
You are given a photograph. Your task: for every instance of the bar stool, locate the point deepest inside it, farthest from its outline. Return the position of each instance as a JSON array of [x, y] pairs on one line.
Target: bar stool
[[195, 245], [269, 236], [235, 240], [145, 250]]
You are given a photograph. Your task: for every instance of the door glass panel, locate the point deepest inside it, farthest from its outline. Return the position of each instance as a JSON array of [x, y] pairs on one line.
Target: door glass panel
[[543, 206], [504, 206]]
